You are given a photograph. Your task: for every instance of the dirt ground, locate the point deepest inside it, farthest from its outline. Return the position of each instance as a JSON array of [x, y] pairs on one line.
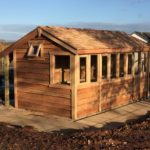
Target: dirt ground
[[135, 135]]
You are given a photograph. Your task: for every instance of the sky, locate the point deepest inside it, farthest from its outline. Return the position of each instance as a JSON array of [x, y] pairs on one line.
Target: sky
[[19, 16]]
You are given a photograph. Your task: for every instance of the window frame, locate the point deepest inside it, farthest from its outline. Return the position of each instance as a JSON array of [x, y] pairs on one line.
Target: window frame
[[86, 68], [113, 78], [128, 64], [59, 55], [39, 50], [144, 70], [96, 80]]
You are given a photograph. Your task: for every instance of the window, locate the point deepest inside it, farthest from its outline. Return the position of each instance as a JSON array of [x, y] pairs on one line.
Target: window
[[104, 67], [136, 62], [113, 65], [143, 62], [121, 65], [93, 68], [62, 70], [34, 50], [82, 69], [130, 63]]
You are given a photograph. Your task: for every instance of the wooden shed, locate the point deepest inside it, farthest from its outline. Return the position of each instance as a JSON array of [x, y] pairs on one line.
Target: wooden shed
[[78, 72]]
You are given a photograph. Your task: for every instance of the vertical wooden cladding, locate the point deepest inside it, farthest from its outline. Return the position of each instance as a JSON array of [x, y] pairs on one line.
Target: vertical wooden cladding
[[88, 100], [33, 90]]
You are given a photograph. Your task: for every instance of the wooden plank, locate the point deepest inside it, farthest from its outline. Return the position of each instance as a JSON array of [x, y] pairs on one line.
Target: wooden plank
[[33, 64], [88, 69], [37, 76], [46, 92], [52, 69], [99, 79], [55, 102], [90, 110], [125, 65], [88, 100], [32, 81], [36, 86], [15, 79], [118, 66], [109, 67], [87, 95], [34, 70], [148, 71], [87, 89], [46, 109], [74, 65], [6, 76]]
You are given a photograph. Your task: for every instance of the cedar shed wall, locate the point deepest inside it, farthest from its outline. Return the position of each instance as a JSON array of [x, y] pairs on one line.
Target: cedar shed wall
[[108, 94], [32, 81]]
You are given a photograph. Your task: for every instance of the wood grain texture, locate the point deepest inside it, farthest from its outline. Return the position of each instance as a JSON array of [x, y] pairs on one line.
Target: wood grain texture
[[33, 87]]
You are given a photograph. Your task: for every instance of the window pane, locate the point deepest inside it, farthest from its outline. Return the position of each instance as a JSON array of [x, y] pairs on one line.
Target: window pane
[[143, 62], [113, 65], [35, 50], [136, 62], [62, 69], [129, 63], [121, 65], [104, 67], [83, 69], [93, 68]]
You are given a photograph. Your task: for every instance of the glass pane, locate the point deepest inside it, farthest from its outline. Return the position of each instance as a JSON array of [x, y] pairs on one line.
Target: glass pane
[[104, 67], [121, 65], [113, 65], [93, 68], [62, 69], [136, 62], [83, 69], [129, 63]]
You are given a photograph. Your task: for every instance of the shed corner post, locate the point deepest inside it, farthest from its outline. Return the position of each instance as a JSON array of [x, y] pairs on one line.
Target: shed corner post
[[99, 74], [15, 79], [6, 77], [74, 65]]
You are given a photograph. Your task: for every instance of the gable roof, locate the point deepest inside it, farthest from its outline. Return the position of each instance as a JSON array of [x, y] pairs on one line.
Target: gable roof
[[79, 41], [144, 35], [94, 39]]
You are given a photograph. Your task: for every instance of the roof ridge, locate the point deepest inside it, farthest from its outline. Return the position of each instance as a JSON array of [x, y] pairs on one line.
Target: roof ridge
[[87, 29]]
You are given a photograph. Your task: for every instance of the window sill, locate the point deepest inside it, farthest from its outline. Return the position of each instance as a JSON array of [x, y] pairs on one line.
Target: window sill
[[62, 86], [86, 84]]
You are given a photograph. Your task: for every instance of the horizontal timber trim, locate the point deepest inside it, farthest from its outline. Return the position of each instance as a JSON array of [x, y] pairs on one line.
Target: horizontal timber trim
[[109, 50]]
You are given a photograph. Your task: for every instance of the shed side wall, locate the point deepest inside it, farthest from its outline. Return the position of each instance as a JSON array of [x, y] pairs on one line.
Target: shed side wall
[[33, 90]]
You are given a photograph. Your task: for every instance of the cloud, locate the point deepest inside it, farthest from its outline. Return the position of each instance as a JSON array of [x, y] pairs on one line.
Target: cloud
[[14, 32]]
